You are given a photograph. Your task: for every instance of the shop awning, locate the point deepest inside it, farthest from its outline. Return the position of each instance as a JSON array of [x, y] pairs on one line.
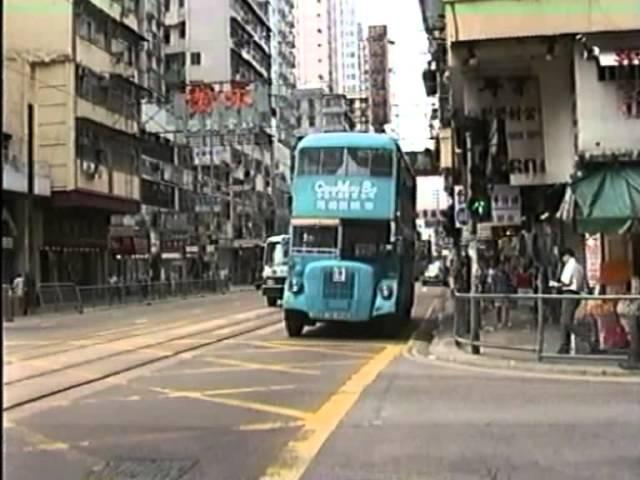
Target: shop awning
[[609, 199]]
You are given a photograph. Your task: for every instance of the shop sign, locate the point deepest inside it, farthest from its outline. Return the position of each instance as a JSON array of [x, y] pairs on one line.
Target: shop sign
[[516, 100], [506, 205], [593, 258]]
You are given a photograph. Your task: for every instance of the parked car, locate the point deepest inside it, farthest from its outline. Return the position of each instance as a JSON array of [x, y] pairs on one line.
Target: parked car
[[434, 275]]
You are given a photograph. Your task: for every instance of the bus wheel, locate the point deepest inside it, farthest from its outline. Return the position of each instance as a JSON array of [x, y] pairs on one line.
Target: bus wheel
[[272, 301], [293, 323]]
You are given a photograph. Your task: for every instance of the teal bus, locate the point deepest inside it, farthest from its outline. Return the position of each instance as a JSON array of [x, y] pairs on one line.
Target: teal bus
[[353, 232]]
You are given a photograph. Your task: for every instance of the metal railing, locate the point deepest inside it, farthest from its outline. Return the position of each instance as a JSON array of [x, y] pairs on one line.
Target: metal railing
[[532, 327], [62, 297]]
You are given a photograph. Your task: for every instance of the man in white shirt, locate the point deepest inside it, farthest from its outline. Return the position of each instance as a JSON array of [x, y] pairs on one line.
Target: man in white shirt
[[572, 282]]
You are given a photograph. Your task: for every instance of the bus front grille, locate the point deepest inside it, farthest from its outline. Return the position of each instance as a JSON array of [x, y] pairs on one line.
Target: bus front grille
[[338, 290]]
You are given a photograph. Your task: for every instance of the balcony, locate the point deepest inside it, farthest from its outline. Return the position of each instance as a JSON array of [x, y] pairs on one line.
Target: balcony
[[495, 19]]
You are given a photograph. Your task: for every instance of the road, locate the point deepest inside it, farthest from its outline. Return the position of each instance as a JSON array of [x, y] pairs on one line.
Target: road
[[216, 390]]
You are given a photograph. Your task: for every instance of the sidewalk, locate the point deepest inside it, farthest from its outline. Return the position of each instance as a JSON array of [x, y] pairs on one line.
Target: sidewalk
[[43, 318], [435, 340]]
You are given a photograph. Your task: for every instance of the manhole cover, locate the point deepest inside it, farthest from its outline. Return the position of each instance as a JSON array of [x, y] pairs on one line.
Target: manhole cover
[[145, 469]]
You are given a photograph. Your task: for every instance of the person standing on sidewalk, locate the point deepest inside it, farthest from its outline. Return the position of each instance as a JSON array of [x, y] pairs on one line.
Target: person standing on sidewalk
[[629, 313], [572, 282]]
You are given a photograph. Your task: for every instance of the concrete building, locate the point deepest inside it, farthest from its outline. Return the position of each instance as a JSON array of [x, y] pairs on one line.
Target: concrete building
[[379, 88], [329, 46], [22, 203], [320, 112], [283, 78], [359, 110], [227, 44], [345, 48], [559, 92], [86, 105], [313, 45]]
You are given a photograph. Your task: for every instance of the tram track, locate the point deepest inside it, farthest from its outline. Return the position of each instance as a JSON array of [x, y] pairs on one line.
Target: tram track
[[41, 385], [104, 338], [29, 352]]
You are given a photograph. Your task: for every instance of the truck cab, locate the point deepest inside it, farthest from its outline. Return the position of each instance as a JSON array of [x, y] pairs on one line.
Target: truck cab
[[275, 268]]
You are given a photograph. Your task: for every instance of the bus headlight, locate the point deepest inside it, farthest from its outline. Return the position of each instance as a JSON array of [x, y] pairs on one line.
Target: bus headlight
[[386, 291], [296, 285]]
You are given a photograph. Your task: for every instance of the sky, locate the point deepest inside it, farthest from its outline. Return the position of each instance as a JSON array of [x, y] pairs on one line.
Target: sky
[[408, 59]]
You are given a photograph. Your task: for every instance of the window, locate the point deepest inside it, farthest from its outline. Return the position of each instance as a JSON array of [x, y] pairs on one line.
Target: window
[[167, 36], [340, 161], [181, 3], [167, 5], [182, 30], [196, 58], [315, 237]]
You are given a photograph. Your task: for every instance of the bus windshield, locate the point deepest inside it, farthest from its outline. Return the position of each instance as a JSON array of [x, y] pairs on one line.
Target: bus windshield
[[315, 237], [364, 239], [276, 253], [340, 161]]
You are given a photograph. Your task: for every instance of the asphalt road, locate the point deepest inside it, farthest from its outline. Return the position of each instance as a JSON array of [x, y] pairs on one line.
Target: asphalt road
[[338, 403]]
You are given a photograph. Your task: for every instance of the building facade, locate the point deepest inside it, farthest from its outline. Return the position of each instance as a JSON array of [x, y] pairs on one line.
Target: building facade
[[559, 95], [26, 179], [313, 45], [87, 112], [227, 45], [320, 112], [379, 88]]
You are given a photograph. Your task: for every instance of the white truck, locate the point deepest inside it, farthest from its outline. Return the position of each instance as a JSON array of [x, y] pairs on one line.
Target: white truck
[[275, 268]]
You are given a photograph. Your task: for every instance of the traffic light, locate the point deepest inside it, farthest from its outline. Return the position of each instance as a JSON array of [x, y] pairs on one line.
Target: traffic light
[[479, 203]]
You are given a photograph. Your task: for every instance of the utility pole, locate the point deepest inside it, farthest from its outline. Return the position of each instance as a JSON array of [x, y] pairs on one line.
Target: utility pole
[[472, 250]]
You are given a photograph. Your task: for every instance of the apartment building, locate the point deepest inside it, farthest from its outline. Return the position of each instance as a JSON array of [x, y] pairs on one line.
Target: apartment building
[[26, 179], [359, 109], [319, 111], [226, 44], [379, 87], [560, 91], [313, 45], [86, 106]]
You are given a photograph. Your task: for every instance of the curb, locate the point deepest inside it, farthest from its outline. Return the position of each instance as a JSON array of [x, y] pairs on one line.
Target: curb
[[442, 349]]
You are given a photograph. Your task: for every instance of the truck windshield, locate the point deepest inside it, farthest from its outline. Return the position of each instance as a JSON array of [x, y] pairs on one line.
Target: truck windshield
[[315, 237], [276, 253]]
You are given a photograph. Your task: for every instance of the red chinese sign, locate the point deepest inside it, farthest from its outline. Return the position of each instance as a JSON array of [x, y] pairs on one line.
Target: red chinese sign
[[203, 98], [628, 57]]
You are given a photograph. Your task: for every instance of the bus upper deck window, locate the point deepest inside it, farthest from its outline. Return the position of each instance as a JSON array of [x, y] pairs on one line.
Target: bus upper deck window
[[381, 164]]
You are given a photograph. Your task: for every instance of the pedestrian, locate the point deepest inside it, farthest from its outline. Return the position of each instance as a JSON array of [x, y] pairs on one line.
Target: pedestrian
[[18, 291], [572, 282], [502, 285], [629, 313]]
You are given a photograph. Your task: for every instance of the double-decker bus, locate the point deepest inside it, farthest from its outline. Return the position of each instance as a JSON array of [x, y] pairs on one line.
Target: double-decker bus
[[352, 232]]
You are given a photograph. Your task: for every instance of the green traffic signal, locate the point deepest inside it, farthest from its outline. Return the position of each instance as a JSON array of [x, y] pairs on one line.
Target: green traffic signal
[[479, 207]]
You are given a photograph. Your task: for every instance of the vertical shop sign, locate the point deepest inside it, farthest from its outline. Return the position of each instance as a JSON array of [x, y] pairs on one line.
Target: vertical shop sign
[[593, 258]]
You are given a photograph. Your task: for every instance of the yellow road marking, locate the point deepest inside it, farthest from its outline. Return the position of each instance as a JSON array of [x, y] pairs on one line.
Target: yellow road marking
[[297, 456], [258, 427], [41, 443], [305, 348], [233, 402], [229, 391], [322, 343], [262, 366]]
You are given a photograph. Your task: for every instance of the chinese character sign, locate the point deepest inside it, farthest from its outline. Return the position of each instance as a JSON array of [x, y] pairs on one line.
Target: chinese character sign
[[516, 100], [203, 98], [228, 106]]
